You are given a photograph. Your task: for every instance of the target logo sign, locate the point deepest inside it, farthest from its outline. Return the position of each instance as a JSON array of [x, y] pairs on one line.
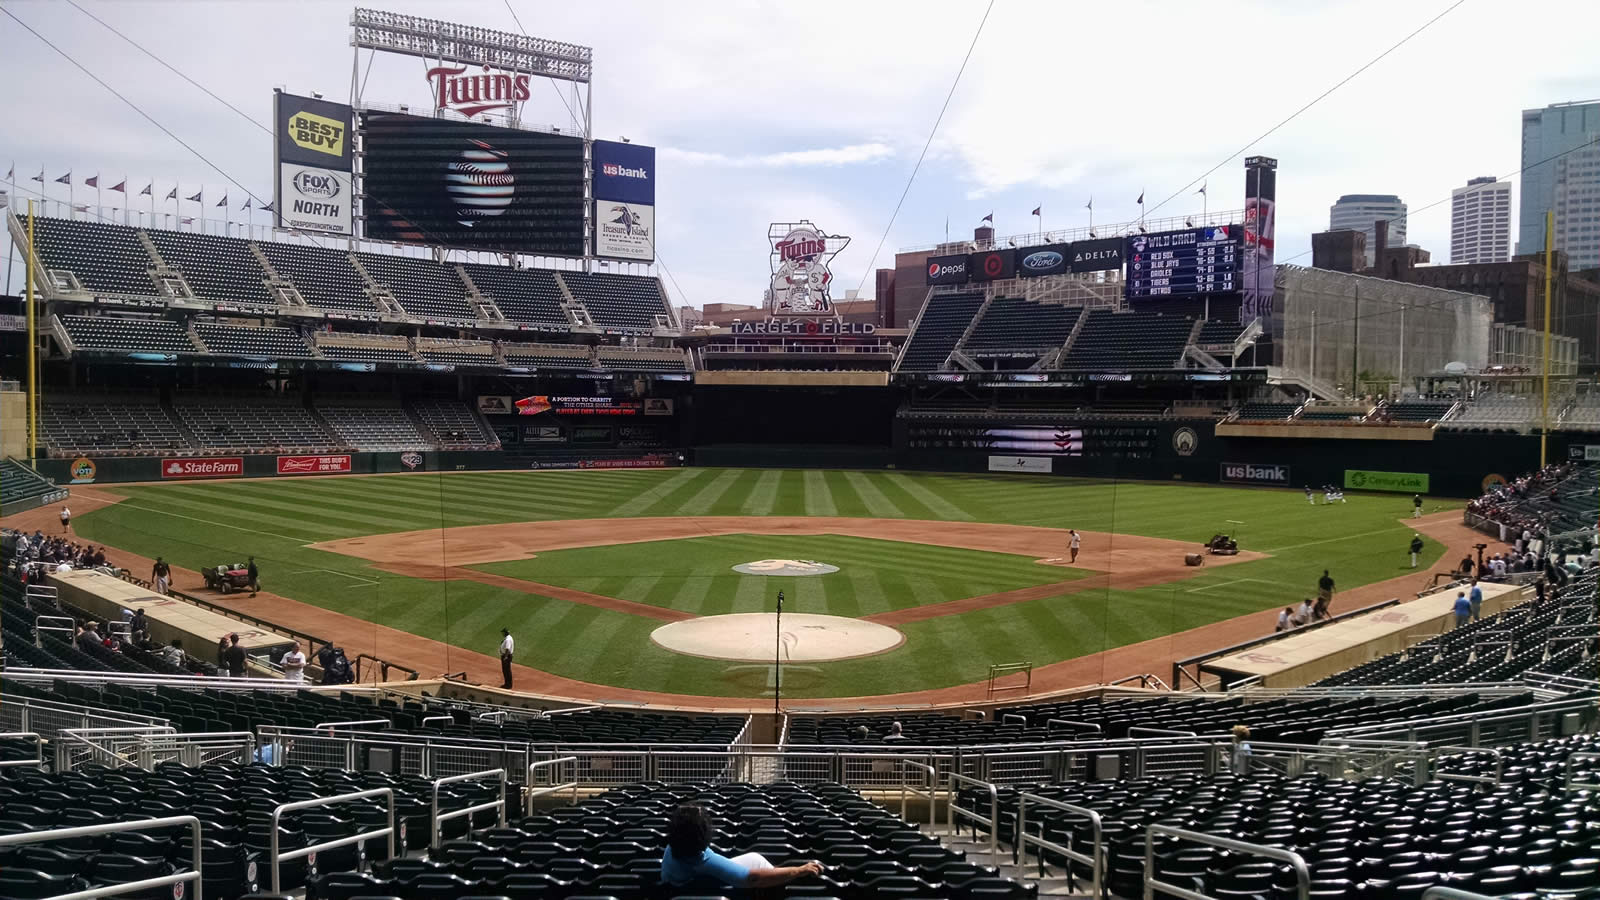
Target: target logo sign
[[993, 265]]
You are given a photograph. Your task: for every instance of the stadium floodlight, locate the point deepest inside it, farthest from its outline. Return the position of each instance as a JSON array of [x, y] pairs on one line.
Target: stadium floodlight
[[450, 42]]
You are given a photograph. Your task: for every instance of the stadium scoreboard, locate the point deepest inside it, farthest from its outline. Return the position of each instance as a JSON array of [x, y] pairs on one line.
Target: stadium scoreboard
[[472, 186], [1184, 263]]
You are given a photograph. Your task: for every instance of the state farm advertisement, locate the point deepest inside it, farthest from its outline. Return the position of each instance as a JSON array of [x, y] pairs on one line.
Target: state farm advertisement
[[313, 465], [203, 467]]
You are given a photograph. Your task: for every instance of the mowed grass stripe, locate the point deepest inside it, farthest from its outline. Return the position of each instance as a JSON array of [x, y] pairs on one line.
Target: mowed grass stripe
[[818, 499], [754, 593], [500, 493], [764, 495], [706, 498], [359, 517], [649, 497], [939, 506], [845, 499], [873, 499]]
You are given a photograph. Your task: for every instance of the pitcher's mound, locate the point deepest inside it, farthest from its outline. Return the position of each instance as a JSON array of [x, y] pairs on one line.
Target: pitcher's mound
[[751, 637]]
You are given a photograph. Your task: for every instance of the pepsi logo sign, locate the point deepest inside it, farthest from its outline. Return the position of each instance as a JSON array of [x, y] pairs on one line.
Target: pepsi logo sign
[[935, 269], [1044, 259]]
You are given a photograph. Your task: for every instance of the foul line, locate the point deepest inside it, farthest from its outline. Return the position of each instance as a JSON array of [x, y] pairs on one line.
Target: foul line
[[334, 572], [164, 512], [1239, 581]]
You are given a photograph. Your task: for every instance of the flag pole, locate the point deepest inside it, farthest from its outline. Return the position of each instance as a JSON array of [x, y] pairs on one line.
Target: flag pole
[[33, 340]]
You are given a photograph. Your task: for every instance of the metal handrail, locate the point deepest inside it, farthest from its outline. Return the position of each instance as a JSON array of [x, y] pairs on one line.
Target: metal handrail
[[1144, 680], [1499, 766], [38, 749], [383, 723], [448, 720], [1413, 725], [1567, 774], [952, 809], [190, 682], [1302, 875], [1097, 859], [1073, 724], [88, 737], [931, 795], [274, 857], [437, 820], [1139, 731], [552, 788], [67, 834]]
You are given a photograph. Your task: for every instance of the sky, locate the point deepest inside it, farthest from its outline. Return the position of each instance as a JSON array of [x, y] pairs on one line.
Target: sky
[[774, 112]]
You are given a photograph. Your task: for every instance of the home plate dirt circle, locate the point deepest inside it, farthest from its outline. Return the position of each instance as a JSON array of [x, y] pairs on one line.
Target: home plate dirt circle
[[752, 637]]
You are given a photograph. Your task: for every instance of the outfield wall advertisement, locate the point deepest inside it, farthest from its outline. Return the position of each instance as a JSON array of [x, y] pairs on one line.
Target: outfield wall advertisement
[[1369, 480]]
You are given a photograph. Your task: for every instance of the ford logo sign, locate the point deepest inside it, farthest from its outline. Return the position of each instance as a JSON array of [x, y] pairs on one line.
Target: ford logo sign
[[1044, 259]]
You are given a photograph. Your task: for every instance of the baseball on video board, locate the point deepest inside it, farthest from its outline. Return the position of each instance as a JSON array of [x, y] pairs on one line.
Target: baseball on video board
[[1190, 262], [313, 148], [478, 187]]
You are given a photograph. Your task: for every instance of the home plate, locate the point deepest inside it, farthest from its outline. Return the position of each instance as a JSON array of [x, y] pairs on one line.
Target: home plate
[[752, 637]]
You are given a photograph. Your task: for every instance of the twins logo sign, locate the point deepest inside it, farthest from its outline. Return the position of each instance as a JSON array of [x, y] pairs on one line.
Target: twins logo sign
[[800, 276]]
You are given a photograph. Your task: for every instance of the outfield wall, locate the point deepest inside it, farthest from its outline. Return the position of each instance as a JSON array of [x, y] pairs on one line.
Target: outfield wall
[[92, 469], [1458, 464]]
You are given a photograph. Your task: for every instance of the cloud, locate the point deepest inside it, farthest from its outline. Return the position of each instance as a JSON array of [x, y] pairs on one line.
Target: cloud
[[852, 154]]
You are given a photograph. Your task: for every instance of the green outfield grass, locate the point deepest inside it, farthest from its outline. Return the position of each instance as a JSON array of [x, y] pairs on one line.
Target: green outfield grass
[[199, 524]]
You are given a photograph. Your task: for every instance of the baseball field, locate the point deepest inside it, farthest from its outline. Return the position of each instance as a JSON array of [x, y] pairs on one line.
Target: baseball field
[[583, 566]]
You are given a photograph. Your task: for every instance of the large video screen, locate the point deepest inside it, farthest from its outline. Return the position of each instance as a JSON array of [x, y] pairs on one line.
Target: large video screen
[[460, 184], [1190, 262]]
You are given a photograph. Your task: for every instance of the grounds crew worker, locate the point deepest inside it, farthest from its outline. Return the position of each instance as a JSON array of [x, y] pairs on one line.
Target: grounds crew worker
[[161, 574], [1416, 547], [508, 648]]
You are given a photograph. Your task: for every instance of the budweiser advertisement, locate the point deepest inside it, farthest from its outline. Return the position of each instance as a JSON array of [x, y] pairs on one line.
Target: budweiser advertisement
[[203, 467], [313, 465]]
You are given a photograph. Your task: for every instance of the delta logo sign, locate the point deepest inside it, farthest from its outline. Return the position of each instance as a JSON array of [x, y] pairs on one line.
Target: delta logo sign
[[203, 467]]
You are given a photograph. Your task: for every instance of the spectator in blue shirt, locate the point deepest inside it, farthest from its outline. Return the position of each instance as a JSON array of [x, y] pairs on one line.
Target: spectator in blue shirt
[[1463, 609], [689, 860], [1476, 599]]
